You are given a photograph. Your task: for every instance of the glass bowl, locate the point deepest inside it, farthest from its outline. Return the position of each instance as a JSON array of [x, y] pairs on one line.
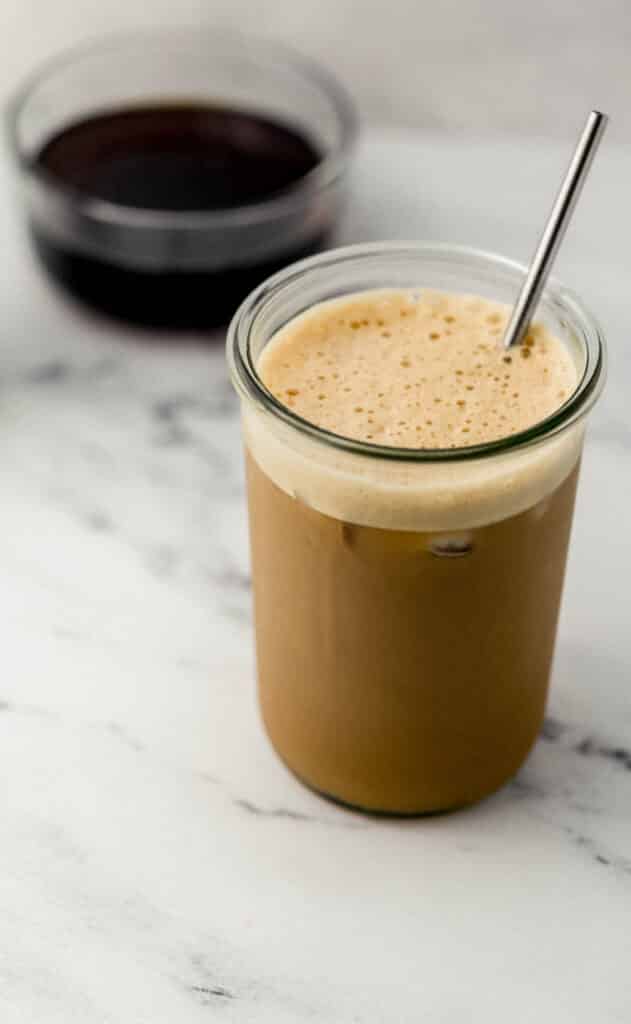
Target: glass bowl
[[179, 268]]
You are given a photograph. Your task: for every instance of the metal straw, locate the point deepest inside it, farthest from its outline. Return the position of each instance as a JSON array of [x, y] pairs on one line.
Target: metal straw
[[555, 228]]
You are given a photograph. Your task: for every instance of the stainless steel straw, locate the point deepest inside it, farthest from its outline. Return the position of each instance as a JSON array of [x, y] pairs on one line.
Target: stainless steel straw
[[555, 228]]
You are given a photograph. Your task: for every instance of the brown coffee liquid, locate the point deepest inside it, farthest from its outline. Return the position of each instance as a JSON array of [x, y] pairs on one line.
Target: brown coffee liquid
[[410, 674], [171, 158]]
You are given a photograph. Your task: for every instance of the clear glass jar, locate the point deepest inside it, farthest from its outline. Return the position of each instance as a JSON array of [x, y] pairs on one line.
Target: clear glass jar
[[406, 600]]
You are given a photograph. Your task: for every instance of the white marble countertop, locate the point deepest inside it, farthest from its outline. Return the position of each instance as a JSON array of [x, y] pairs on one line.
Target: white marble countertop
[[157, 863]]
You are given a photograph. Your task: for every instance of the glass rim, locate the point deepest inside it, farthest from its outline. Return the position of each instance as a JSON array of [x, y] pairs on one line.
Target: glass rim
[[278, 56], [249, 385]]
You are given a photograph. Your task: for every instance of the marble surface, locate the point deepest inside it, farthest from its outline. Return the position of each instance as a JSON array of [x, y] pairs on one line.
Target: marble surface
[[157, 863]]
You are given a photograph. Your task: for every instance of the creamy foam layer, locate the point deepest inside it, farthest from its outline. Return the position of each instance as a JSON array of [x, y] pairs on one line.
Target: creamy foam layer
[[412, 371], [420, 370]]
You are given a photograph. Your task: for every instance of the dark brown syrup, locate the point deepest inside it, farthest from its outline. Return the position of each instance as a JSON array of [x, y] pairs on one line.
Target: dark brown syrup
[[173, 158]]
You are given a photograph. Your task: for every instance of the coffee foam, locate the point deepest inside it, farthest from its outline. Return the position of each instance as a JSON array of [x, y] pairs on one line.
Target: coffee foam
[[407, 369]]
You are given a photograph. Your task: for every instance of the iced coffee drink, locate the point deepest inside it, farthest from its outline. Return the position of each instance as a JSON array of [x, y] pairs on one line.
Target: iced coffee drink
[[411, 487]]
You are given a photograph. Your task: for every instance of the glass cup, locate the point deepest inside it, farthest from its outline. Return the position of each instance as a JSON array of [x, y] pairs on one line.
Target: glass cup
[[406, 601]]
